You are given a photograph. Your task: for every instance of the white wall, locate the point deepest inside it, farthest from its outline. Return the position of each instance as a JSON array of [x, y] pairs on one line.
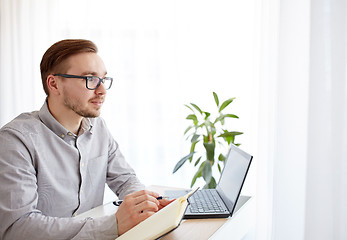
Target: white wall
[[162, 54]]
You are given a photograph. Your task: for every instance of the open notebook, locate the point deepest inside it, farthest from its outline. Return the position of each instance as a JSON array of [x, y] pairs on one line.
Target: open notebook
[[161, 222]]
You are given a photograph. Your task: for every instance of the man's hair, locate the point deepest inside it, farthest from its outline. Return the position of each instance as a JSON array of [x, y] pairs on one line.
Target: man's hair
[[53, 61]]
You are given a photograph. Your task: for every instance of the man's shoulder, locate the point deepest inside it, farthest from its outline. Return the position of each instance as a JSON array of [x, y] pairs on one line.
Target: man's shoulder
[[24, 123]]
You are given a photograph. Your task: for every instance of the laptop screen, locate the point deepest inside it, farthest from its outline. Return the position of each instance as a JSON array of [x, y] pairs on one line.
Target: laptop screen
[[233, 176]]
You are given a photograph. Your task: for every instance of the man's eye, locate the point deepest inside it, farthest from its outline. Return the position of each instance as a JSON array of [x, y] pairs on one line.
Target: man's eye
[[95, 79]]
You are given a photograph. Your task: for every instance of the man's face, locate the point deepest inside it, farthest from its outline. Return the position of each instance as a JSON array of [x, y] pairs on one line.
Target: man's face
[[76, 97]]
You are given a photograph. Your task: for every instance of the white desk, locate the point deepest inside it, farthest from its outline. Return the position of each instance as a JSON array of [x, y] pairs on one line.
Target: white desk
[[235, 227]]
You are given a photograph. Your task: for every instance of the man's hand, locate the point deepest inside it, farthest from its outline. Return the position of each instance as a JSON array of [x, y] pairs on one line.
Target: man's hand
[[136, 207], [164, 202]]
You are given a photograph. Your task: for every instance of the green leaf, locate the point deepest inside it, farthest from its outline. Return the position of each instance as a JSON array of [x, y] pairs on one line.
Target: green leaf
[[216, 98], [196, 107], [219, 168], [197, 161], [189, 136], [230, 139], [212, 184], [225, 104], [208, 123], [195, 138], [196, 176], [189, 107], [219, 118], [192, 148], [207, 114], [193, 117], [182, 161], [201, 125], [222, 117], [228, 134], [206, 172], [231, 116], [221, 157], [187, 130]]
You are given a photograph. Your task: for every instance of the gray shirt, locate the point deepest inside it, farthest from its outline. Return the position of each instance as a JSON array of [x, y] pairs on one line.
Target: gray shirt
[[48, 175]]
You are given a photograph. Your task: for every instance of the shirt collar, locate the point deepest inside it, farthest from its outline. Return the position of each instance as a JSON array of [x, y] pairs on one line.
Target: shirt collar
[[48, 119], [86, 124]]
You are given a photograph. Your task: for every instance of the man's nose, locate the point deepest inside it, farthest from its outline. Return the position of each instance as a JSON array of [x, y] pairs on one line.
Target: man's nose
[[101, 89]]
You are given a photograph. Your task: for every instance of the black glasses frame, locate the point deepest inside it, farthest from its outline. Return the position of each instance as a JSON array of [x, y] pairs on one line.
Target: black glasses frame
[[87, 78]]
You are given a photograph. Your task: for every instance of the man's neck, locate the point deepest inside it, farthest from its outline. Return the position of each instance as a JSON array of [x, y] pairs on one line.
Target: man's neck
[[68, 118]]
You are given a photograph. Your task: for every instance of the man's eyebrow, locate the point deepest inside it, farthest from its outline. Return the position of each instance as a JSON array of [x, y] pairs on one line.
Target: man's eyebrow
[[92, 73]]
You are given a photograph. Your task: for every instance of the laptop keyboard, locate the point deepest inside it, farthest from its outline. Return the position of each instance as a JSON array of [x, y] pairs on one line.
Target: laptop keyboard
[[206, 201]]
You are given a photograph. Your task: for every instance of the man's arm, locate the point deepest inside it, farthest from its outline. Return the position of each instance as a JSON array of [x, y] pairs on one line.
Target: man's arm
[[19, 216], [138, 203], [121, 177], [37, 226]]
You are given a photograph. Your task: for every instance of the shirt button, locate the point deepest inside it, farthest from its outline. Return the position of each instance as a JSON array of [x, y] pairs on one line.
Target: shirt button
[[69, 133], [82, 164], [63, 135]]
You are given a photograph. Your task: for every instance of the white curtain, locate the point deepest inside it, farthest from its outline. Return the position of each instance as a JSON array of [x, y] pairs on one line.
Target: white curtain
[[302, 185], [327, 123], [162, 54]]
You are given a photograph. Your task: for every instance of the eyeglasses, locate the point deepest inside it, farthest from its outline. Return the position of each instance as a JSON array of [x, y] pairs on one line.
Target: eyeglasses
[[92, 82]]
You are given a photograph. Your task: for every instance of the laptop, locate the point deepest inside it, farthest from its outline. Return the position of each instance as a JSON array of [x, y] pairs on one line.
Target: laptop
[[221, 202]]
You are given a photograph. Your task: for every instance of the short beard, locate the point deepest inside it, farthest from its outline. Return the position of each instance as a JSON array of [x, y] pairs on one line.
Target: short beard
[[78, 110]]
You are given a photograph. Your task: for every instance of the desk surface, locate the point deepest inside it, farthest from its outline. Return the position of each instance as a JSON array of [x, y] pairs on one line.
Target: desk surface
[[190, 228]]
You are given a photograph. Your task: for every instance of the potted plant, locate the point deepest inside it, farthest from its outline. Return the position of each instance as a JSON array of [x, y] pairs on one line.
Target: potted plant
[[211, 134]]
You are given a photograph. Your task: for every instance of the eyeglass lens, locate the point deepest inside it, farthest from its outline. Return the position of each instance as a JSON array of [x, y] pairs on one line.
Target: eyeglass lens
[[92, 83]]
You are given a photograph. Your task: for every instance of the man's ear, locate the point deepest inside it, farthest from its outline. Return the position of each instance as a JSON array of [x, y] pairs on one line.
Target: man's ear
[[52, 84]]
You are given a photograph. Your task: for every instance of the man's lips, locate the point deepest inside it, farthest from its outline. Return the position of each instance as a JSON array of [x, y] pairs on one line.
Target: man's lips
[[97, 101]]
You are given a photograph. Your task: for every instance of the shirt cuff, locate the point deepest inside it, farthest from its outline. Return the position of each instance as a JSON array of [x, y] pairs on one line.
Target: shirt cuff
[[105, 227]]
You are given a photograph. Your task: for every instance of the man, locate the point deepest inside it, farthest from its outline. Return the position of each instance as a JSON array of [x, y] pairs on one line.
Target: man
[[54, 163]]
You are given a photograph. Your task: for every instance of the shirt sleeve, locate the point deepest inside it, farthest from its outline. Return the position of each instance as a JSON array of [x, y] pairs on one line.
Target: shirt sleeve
[[121, 177], [19, 216], [37, 226]]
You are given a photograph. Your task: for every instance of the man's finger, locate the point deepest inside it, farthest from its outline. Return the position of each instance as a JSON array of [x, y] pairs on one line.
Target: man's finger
[[147, 206], [144, 192], [165, 202], [144, 198]]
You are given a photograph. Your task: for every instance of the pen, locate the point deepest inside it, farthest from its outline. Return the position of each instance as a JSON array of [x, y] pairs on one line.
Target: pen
[[118, 202]]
